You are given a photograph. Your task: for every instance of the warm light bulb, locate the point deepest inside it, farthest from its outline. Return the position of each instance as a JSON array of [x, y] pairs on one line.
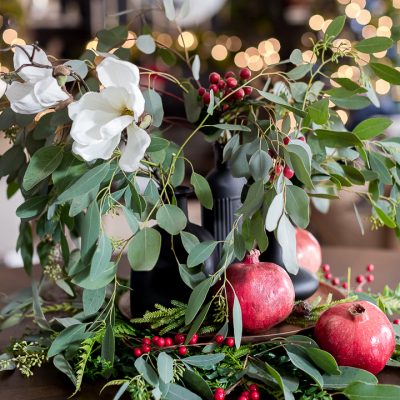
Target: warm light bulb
[[219, 52], [9, 35], [316, 22], [241, 59], [382, 87], [364, 17], [352, 10]]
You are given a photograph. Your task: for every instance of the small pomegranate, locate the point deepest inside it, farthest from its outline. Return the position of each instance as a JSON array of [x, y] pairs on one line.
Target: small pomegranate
[[358, 334], [308, 250], [264, 290]]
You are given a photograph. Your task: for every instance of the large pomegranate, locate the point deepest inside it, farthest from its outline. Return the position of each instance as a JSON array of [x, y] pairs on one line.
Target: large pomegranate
[[308, 250], [264, 290], [358, 334]]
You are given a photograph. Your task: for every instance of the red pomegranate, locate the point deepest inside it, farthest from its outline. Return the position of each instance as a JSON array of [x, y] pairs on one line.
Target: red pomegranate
[[358, 334], [309, 254], [264, 290]]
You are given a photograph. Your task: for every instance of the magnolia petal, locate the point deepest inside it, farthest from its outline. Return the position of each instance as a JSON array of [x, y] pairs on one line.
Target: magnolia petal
[[115, 126], [48, 92], [102, 149], [3, 88], [87, 124], [117, 98], [136, 101], [138, 141], [22, 98], [90, 101], [32, 74], [114, 72]]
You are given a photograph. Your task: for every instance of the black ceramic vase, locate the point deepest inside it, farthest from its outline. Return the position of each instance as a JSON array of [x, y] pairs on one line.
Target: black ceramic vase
[[164, 283], [305, 282], [226, 191]]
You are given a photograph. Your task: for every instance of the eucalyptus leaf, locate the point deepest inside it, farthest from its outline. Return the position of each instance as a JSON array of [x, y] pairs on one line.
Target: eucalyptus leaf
[[202, 190], [32, 207], [196, 299], [196, 66], [72, 334], [374, 45], [169, 9], [204, 361], [93, 300], [297, 206], [347, 376], [371, 127], [146, 44], [335, 27], [154, 106], [147, 371], [362, 390], [197, 384], [286, 235], [385, 72], [188, 240], [177, 392], [171, 218], [144, 249], [237, 321], [165, 367], [260, 163], [275, 211], [200, 253]]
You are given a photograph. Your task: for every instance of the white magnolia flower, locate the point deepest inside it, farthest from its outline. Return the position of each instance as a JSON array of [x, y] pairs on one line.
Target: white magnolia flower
[[40, 89], [3, 87], [100, 118]]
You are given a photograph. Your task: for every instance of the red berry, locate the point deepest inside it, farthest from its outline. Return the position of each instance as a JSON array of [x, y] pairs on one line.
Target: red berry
[[248, 90], [286, 140], [396, 321], [214, 77], [288, 172], [272, 153], [239, 94], [229, 74], [241, 397], [145, 348], [335, 281], [194, 339], [219, 339], [370, 267], [201, 91], [254, 395], [146, 341], [168, 341], [253, 387], [229, 342], [278, 169], [326, 267], [245, 73], [370, 278], [328, 276], [219, 390], [360, 278], [179, 338], [219, 396], [160, 342], [214, 88], [245, 394], [345, 285], [182, 350], [137, 352], [231, 83], [154, 339], [206, 98], [225, 107], [222, 84], [302, 138]]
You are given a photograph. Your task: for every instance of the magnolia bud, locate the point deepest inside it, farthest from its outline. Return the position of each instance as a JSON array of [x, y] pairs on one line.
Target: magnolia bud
[[61, 70]]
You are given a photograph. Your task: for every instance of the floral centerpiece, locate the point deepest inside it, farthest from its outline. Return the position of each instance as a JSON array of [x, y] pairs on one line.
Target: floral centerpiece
[[83, 132]]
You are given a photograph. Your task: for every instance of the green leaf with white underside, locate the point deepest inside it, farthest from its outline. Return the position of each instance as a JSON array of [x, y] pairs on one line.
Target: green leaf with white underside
[[200, 253], [371, 127], [348, 375], [298, 205], [87, 182], [196, 67], [196, 299], [387, 73], [42, 164], [237, 321], [335, 27], [319, 111], [260, 163], [144, 249], [165, 367], [171, 218], [275, 211], [177, 392], [368, 391], [202, 190], [204, 361], [147, 371], [286, 236], [154, 106], [374, 45], [296, 57]]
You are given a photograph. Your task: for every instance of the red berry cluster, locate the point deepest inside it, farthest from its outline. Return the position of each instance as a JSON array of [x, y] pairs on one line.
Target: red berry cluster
[[219, 339], [396, 321], [360, 279], [226, 86], [251, 394], [287, 172], [159, 342]]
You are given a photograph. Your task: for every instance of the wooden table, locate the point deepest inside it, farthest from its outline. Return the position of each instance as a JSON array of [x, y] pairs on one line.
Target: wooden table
[[49, 384]]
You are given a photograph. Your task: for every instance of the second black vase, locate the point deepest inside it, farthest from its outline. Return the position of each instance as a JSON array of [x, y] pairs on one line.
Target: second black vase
[[305, 282], [164, 282]]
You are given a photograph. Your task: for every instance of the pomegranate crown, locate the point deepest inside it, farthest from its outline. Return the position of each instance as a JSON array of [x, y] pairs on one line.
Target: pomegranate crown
[[252, 257]]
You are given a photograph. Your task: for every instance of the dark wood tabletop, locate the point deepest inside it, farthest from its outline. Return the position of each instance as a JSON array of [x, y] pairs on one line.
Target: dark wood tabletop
[[49, 384]]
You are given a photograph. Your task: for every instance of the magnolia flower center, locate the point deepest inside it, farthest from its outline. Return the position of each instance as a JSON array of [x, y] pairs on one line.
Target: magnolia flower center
[[126, 111]]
